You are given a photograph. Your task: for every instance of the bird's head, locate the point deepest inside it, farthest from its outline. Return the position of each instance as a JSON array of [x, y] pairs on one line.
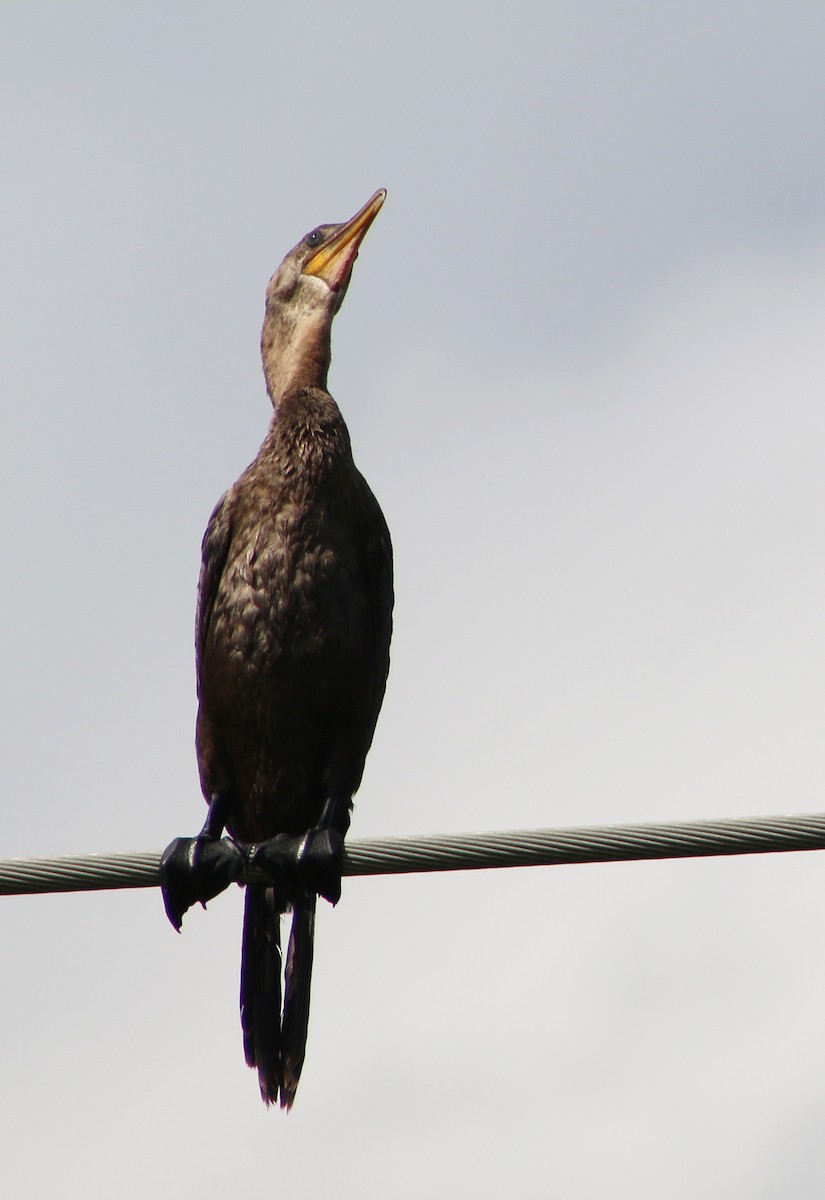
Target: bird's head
[[316, 272], [304, 295]]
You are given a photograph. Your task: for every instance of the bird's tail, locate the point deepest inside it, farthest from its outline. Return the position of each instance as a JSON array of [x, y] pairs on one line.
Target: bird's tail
[[297, 981], [275, 1046], [261, 989]]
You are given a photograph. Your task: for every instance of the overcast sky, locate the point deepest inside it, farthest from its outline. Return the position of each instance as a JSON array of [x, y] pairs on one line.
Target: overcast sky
[[582, 363]]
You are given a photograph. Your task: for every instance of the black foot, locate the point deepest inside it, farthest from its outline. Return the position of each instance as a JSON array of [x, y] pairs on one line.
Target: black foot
[[302, 866], [197, 869]]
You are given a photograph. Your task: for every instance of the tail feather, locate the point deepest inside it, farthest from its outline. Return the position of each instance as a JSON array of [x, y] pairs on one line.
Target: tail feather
[[261, 989], [297, 981]]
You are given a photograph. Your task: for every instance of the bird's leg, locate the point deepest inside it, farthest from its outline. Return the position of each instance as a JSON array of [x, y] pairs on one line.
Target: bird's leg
[[216, 815], [336, 814], [311, 863], [198, 869]]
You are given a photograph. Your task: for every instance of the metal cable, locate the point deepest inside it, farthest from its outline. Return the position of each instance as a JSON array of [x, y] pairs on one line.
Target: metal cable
[[458, 852]]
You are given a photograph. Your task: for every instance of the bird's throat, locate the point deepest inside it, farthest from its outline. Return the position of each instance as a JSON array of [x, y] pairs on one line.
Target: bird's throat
[[296, 354]]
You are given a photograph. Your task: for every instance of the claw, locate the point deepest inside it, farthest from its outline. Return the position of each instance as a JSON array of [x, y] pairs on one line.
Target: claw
[[195, 870]]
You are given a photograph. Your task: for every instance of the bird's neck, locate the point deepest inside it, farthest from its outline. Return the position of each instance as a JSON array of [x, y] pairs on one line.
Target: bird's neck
[[296, 352], [307, 444]]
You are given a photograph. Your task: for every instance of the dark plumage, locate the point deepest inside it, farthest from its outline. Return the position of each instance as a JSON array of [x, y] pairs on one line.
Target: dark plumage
[[293, 634]]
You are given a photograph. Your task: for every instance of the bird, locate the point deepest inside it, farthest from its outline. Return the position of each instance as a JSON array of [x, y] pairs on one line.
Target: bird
[[293, 628]]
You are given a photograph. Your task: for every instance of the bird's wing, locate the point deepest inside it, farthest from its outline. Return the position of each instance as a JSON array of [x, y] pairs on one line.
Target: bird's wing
[[379, 578], [214, 551]]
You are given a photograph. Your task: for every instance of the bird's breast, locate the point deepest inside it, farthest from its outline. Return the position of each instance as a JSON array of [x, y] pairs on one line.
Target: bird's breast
[[290, 594]]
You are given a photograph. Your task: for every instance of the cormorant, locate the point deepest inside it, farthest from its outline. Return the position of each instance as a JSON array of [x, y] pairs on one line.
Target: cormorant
[[292, 646]]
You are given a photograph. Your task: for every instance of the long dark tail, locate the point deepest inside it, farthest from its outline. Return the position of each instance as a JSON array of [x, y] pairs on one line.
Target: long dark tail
[[274, 1046], [261, 989], [297, 984]]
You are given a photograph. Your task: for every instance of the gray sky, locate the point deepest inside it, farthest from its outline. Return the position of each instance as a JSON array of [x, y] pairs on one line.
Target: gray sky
[[582, 363]]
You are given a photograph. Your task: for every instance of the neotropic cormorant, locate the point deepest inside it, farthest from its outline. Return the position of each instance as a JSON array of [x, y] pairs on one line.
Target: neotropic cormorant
[[293, 634]]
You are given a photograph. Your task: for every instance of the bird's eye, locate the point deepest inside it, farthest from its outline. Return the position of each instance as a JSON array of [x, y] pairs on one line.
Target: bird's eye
[[315, 238]]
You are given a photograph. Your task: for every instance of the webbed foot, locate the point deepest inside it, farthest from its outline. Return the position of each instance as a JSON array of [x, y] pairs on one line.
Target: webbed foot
[[195, 870], [302, 866]]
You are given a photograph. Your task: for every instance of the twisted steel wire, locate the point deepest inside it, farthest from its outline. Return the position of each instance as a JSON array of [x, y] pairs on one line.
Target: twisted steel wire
[[458, 852]]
